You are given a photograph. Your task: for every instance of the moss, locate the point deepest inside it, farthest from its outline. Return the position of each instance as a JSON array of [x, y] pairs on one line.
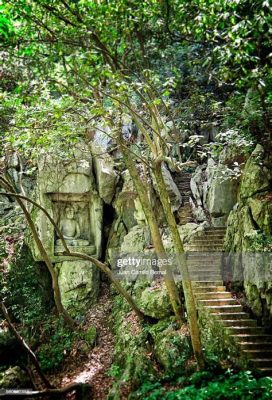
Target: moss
[[172, 347], [132, 355], [90, 335], [219, 346]]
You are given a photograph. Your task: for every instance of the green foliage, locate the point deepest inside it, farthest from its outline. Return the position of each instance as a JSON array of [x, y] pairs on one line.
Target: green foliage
[[115, 371], [25, 290], [132, 362], [204, 386], [219, 348], [260, 242], [58, 341], [90, 335]]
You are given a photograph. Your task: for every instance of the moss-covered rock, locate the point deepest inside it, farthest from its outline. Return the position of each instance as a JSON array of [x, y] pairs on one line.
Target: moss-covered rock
[[256, 176], [155, 302], [132, 362], [261, 210], [249, 234], [135, 241], [172, 347], [79, 284], [90, 335], [14, 378]]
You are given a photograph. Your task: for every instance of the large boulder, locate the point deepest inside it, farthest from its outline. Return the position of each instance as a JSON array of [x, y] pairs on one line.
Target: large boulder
[[124, 203], [172, 189], [79, 284], [196, 185], [222, 195], [186, 232], [261, 211], [172, 347], [155, 302], [135, 241], [106, 177], [256, 177]]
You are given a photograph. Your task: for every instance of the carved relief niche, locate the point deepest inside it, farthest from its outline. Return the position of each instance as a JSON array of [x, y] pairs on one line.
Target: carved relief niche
[[72, 213]]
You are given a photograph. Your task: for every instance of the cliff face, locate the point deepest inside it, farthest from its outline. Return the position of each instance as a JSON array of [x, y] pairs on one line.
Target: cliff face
[[249, 230]]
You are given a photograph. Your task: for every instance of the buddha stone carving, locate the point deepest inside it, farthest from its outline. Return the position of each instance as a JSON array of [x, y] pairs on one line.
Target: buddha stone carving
[[70, 229]]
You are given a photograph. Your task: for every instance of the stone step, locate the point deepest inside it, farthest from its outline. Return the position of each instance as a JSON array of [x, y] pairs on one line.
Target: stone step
[[197, 284], [202, 275], [212, 295], [226, 316], [204, 268], [215, 228], [218, 302], [184, 185], [239, 322], [209, 289], [252, 338], [215, 248], [216, 236], [258, 353], [262, 362], [205, 276], [257, 345], [266, 371], [206, 242], [198, 261], [226, 308], [246, 330], [204, 253], [184, 188]]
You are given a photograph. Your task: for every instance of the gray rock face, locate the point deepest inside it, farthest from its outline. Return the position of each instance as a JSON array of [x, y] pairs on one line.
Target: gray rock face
[[222, 195], [79, 285], [67, 190], [249, 231], [256, 176], [196, 184], [135, 241], [214, 193], [174, 193], [106, 177]]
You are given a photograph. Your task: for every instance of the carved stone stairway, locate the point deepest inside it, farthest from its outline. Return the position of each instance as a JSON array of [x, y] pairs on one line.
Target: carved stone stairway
[[204, 263], [182, 180]]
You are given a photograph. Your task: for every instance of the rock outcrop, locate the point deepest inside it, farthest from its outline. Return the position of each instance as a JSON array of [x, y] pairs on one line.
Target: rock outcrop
[[249, 234]]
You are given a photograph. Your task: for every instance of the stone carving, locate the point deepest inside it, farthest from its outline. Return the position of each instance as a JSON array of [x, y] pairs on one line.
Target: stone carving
[[70, 229], [74, 223]]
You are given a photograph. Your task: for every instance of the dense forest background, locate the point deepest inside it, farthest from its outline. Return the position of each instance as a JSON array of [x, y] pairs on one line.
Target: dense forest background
[[151, 120]]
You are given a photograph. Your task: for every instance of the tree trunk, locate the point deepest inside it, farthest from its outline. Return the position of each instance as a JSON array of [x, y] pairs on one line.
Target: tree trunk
[[154, 229], [187, 286]]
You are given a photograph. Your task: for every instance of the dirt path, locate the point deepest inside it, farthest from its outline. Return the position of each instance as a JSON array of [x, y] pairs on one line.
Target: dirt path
[[92, 368]]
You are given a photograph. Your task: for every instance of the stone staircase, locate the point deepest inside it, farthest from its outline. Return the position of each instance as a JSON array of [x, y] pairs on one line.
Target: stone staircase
[[182, 180], [204, 263]]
